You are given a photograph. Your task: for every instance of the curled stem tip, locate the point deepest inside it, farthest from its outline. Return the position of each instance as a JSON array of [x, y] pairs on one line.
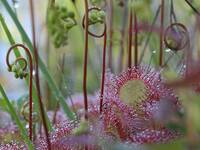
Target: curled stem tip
[[85, 24], [30, 77]]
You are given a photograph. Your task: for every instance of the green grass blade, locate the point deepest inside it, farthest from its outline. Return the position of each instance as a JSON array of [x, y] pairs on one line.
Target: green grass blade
[[56, 92], [17, 120], [17, 54]]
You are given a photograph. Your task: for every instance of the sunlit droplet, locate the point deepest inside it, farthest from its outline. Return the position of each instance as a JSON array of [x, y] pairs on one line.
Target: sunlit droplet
[[16, 4], [153, 52], [27, 126], [168, 50], [34, 72]]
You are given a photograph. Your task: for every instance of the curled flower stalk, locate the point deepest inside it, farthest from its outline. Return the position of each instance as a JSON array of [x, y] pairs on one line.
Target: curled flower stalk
[[98, 18], [176, 37], [25, 112], [21, 72]]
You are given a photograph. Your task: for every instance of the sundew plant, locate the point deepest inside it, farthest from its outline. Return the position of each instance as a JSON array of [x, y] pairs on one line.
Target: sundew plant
[[99, 74]]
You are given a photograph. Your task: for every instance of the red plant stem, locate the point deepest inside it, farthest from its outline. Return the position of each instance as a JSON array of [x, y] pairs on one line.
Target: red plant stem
[[30, 82], [121, 51], [104, 34], [85, 60], [130, 40], [103, 70], [161, 33], [111, 36], [136, 39], [37, 75], [123, 29]]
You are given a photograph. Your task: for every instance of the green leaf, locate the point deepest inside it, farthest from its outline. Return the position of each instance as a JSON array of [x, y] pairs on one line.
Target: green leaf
[[56, 92], [3, 105], [15, 117]]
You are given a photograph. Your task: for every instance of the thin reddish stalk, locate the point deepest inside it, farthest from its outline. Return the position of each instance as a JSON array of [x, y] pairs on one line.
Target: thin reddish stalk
[[123, 29], [161, 33], [37, 75], [130, 40], [136, 38], [30, 82], [121, 51], [111, 36], [103, 34], [85, 60], [103, 70]]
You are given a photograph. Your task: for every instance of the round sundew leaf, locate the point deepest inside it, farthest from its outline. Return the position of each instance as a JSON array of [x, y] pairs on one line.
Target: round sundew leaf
[[136, 104], [133, 91]]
